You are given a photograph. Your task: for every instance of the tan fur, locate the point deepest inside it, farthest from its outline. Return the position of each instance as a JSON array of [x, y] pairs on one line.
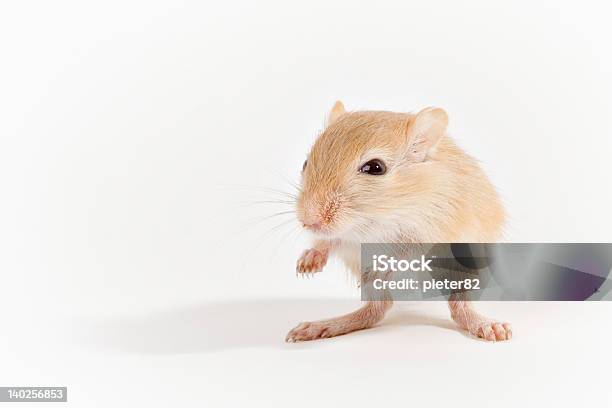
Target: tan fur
[[432, 191], [336, 111]]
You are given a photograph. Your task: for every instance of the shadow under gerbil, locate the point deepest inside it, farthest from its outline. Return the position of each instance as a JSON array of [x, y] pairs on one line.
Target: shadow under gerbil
[[411, 318], [228, 325]]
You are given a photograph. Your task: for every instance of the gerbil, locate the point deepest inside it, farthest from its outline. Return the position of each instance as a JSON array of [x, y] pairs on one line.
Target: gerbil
[[378, 176]]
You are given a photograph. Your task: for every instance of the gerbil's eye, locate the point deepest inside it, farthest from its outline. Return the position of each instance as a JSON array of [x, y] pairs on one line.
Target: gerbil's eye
[[304, 165], [374, 167]]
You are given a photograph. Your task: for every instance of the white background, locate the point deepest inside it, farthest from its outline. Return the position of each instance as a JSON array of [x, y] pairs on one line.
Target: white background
[[139, 139]]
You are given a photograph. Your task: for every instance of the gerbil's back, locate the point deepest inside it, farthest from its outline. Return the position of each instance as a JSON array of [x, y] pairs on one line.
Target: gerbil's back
[[474, 210]]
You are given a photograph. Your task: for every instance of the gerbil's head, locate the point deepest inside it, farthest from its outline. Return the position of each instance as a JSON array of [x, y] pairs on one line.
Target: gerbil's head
[[367, 170]]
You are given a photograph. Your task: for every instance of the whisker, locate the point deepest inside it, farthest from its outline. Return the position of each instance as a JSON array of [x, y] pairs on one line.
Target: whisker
[[263, 237], [286, 180], [257, 220], [283, 203], [265, 189], [284, 238], [271, 202]]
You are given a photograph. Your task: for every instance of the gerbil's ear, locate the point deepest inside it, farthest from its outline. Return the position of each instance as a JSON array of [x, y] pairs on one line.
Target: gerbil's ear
[[425, 131], [336, 111]]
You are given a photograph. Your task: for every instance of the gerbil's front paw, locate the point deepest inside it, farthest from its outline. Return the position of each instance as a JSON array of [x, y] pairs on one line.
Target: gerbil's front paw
[[310, 331], [312, 260], [492, 331]]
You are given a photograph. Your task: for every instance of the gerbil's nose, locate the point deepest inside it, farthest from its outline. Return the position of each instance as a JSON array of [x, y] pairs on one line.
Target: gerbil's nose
[[315, 226], [319, 216], [311, 219]]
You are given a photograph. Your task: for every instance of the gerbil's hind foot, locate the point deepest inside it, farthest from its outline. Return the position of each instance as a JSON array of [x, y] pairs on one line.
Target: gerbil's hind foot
[[493, 331], [477, 325], [484, 328], [366, 316], [312, 260], [312, 331]]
